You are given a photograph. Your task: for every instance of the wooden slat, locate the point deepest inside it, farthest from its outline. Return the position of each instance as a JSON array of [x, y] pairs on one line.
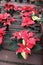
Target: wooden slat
[[2, 63], [11, 57], [42, 60]]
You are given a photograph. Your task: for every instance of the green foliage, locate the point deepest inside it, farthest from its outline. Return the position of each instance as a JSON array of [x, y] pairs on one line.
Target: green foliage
[[7, 39], [19, 56], [13, 44], [37, 3], [37, 47]]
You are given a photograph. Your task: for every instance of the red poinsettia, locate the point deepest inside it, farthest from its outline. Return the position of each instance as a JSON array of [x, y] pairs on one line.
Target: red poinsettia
[[2, 32], [31, 8], [19, 35], [8, 21], [26, 14], [23, 50], [26, 21], [28, 42], [9, 6], [28, 8], [3, 16], [24, 8], [15, 8]]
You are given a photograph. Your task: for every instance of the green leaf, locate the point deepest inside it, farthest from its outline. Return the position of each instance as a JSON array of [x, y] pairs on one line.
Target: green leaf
[[41, 20], [7, 38], [19, 56], [13, 45], [37, 3], [37, 47]]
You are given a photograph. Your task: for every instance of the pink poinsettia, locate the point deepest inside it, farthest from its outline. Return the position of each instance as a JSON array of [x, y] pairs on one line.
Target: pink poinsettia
[[2, 32], [26, 21]]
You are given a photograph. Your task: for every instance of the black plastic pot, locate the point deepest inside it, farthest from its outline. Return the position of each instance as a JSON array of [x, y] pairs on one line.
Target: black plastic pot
[[15, 0], [20, 1], [7, 0]]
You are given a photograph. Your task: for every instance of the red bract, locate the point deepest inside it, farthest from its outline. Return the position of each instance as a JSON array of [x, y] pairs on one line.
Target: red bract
[[3, 16], [28, 8], [2, 32], [8, 21], [26, 21], [28, 42], [24, 50], [21, 34], [9, 6], [19, 8], [24, 8], [15, 8], [25, 13]]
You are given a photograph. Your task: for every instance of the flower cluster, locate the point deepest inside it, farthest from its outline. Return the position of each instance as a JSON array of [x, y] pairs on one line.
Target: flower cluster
[[29, 17], [3, 16], [8, 6], [27, 21], [28, 42], [2, 33], [6, 19]]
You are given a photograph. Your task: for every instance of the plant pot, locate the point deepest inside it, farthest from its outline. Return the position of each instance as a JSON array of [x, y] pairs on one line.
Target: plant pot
[[7, 0], [20, 1]]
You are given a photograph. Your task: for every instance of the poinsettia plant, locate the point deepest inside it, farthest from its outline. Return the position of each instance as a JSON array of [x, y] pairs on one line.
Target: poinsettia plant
[[6, 20], [26, 21], [28, 42], [31, 16], [28, 9], [10, 8], [2, 33], [24, 41]]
